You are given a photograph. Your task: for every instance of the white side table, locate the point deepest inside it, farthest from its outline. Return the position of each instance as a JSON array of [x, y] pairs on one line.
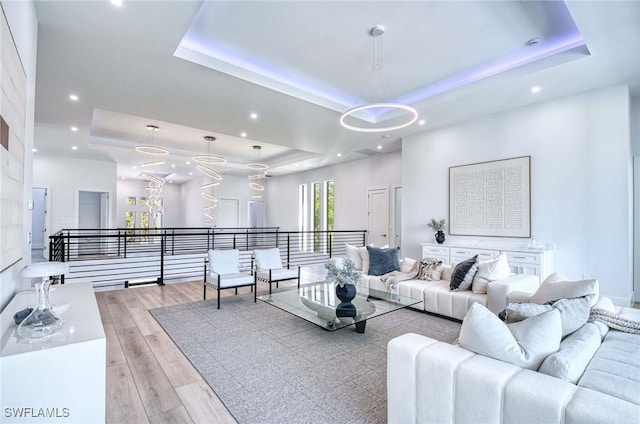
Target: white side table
[[62, 378]]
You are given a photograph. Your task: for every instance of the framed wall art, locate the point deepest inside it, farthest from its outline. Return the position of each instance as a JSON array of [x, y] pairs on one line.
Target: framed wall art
[[491, 198]]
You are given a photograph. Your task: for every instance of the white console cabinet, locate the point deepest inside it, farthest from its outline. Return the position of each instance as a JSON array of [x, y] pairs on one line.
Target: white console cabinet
[[537, 262], [59, 379]]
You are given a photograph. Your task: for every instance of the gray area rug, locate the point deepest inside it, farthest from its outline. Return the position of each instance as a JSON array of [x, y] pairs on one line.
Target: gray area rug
[[268, 366]]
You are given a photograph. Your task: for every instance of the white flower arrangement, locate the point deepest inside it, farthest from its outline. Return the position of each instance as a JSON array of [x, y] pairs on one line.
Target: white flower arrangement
[[341, 275]]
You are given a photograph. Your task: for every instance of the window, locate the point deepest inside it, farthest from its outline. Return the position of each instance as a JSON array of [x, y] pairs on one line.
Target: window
[[144, 227], [130, 224], [144, 201], [303, 213], [317, 207], [329, 213], [131, 201]]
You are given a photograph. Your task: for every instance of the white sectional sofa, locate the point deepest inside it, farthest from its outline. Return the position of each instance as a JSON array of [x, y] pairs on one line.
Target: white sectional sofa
[[433, 382], [436, 297]]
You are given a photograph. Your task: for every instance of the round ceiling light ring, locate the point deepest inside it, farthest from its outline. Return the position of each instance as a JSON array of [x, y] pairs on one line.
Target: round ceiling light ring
[[210, 159], [398, 106], [210, 172], [256, 165], [257, 176], [152, 150], [256, 186], [152, 178]]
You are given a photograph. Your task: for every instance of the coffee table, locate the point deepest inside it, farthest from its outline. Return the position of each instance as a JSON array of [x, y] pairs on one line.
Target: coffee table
[[317, 303]]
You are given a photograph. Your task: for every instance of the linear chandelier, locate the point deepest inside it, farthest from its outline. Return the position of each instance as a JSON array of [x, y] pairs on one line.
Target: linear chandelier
[[376, 32]]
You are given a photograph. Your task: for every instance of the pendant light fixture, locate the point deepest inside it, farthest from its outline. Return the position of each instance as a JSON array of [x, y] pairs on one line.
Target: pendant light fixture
[[152, 149], [257, 165], [214, 176], [376, 33], [154, 200]]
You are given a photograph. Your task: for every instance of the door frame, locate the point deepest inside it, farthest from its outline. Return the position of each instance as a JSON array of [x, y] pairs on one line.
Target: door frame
[[392, 216], [220, 199]]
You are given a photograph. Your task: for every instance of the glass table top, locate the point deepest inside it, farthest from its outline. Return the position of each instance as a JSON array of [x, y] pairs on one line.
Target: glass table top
[[318, 304]]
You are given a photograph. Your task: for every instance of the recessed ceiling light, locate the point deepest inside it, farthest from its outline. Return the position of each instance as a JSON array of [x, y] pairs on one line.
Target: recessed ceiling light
[[135, 167], [124, 178], [74, 147], [170, 182], [190, 173], [116, 2], [243, 134], [74, 129], [379, 147], [421, 122], [254, 116], [173, 165], [339, 154], [34, 150], [188, 163], [73, 97], [535, 89]]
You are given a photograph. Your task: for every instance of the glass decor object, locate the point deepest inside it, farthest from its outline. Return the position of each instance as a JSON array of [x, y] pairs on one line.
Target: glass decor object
[[43, 321]]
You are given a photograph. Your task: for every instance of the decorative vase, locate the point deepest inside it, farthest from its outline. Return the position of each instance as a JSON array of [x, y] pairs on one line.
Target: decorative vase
[[42, 321], [346, 310], [440, 236], [346, 293]]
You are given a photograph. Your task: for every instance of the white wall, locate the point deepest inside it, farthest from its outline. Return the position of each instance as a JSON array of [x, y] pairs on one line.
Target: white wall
[[352, 179], [635, 146], [231, 187], [580, 185], [171, 195], [23, 23], [66, 177]]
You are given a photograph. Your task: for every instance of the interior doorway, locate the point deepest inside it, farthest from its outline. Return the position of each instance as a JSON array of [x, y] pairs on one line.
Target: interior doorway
[[93, 214], [397, 217], [228, 213], [257, 217], [39, 224], [378, 216]]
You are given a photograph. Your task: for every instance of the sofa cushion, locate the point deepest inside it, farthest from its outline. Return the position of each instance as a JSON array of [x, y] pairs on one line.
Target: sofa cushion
[[615, 368], [525, 344], [430, 269], [550, 291], [382, 261], [460, 272], [576, 350], [488, 271]]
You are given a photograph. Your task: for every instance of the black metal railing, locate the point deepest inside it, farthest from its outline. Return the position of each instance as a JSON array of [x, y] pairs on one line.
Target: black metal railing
[[117, 256]]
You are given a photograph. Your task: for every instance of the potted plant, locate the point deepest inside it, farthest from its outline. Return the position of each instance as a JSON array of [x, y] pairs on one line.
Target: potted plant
[[345, 277], [438, 226]]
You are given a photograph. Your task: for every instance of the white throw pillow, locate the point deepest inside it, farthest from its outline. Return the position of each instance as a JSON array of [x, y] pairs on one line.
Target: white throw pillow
[[353, 253], [364, 257], [446, 271], [488, 271], [525, 344], [407, 264], [550, 291]]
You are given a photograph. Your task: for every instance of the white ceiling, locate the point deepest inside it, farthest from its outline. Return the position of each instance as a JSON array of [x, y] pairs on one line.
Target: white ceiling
[[196, 69]]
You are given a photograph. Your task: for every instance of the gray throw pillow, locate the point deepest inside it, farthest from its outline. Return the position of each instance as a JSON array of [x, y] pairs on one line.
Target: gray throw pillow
[[382, 261], [574, 313]]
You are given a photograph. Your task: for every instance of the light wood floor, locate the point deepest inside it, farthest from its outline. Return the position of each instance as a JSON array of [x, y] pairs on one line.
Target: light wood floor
[[148, 379]]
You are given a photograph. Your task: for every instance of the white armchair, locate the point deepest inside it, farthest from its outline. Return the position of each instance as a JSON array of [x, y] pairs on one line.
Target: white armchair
[[269, 268], [224, 273]]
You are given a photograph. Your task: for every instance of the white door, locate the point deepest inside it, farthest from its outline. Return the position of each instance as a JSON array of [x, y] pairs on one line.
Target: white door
[[228, 213], [256, 214], [39, 212], [378, 216]]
